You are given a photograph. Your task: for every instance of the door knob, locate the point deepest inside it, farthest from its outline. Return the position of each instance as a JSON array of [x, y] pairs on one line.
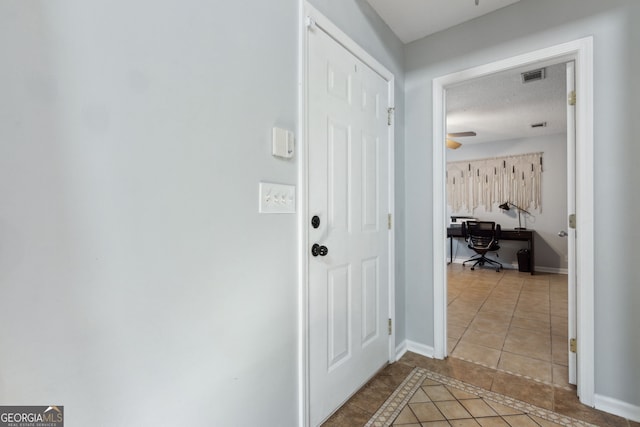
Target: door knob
[[316, 250], [562, 233]]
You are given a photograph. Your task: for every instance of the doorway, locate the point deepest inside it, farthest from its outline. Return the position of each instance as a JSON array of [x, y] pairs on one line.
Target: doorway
[[347, 238], [579, 51], [511, 321]]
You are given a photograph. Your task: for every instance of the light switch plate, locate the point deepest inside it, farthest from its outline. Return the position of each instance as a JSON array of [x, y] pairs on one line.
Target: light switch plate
[[277, 198]]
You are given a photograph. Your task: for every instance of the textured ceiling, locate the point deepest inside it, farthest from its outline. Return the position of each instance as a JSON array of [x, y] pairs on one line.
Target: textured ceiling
[[497, 107], [500, 107], [414, 19]]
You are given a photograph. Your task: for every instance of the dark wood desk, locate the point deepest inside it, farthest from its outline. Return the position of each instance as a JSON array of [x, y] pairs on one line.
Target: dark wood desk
[[505, 234]]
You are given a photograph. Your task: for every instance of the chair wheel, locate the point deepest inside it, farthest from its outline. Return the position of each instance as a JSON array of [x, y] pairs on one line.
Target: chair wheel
[[473, 268]]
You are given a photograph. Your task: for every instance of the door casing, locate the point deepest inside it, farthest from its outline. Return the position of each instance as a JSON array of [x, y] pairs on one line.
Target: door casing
[[580, 51], [309, 16]]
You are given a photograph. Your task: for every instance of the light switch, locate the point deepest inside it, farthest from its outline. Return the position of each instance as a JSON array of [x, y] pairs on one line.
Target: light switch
[[283, 143], [277, 198]]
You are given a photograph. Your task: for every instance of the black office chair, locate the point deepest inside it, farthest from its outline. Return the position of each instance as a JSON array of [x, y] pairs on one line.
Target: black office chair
[[482, 237]]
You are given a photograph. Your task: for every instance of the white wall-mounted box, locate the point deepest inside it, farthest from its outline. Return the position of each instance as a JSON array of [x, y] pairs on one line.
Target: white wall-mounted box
[[283, 142]]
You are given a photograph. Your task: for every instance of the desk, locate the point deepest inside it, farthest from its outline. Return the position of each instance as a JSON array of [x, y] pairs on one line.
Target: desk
[[505, 234]]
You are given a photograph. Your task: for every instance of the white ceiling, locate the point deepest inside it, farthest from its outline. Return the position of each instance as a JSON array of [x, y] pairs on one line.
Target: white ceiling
[[497, 107], [500, 107], [414, 19]]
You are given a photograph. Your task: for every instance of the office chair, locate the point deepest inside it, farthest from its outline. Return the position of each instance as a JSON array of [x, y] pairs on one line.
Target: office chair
[[482, 237]]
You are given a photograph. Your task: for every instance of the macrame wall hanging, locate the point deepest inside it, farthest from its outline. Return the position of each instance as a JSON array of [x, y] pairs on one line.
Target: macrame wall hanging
[[485, 182]]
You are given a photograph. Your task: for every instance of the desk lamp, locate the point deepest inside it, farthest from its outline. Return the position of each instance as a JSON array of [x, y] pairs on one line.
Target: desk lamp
[[505, 206]]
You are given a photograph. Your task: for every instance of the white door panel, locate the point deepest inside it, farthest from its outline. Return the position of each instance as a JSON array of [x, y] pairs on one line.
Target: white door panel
[[348, 191]]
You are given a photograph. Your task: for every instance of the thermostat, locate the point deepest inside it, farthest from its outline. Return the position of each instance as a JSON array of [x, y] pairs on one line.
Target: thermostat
[[283, 143]]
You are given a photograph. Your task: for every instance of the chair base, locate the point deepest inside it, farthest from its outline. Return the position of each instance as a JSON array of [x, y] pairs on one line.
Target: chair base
[[482, 260]]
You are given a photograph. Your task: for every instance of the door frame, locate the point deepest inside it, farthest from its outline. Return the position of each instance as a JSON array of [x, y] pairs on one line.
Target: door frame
[[311, 17], [580, 51]]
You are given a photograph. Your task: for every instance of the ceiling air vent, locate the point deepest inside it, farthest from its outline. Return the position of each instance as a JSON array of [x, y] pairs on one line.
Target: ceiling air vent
[[532, 76]]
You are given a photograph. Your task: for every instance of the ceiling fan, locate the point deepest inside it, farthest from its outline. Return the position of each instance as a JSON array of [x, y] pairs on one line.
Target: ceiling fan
[[450, 143]]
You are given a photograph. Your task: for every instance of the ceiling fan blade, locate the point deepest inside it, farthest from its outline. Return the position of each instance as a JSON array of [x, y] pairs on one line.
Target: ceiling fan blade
[[454, 145], [459, 134]]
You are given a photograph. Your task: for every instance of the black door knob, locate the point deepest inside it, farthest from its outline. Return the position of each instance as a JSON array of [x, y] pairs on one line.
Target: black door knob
[[316, 250], [315, 221]]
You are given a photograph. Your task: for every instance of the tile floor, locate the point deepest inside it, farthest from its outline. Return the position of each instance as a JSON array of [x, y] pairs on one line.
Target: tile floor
[[507, 334], [510, 321], [364, 404]]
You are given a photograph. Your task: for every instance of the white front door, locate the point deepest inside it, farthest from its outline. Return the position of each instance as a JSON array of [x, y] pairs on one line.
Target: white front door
[[348, 206]]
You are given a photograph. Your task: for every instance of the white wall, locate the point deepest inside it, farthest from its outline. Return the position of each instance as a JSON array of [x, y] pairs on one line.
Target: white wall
[[140, 286], [523, 27], [550, 249]]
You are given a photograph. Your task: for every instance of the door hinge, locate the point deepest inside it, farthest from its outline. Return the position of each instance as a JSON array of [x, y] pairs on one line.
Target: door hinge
[[310, 22], [389, 221], [573, 345], [572, 98], [572, 221], [390, 326], [390, 112]]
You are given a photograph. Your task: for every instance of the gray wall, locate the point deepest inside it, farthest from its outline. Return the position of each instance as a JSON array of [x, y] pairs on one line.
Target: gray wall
[[550, 249], [140, 286], [519, 28], [139, 283]]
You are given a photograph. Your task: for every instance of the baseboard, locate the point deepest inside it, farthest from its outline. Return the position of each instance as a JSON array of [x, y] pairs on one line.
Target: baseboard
[[401, 349], [414, 347], [507, 266], [617, 407], [552, 270]]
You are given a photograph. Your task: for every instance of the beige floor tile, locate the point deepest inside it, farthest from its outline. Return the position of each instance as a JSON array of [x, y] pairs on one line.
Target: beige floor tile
[[470, 422], [487, 339], [520, 421], [492, 422], [560, 375], [451, 345], [544, 423], [454, 331], [526, 366], [532, 324], [453, 410], [486, 324], [405, 417], [438, 393], [478, 408], [533, 305], [528, 343], [420, 397], [479, 354], [559, 308], [524, 311], [500, 316], [560, 350], [426, 412], [458, 320], [460, 394], [559, 325], [503, 409]]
